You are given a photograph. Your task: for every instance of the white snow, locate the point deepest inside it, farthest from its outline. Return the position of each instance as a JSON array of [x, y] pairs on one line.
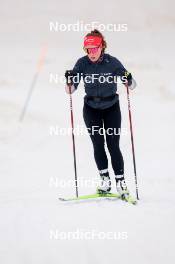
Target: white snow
[[31, 159]]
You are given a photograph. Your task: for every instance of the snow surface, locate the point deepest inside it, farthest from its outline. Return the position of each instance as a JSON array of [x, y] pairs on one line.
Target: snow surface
[[31, 159]]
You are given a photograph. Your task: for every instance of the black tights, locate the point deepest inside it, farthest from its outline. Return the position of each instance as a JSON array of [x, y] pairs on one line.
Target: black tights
[[110, 119]]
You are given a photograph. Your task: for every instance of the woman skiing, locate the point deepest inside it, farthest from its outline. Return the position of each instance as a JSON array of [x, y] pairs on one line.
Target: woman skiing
[[101, 109]]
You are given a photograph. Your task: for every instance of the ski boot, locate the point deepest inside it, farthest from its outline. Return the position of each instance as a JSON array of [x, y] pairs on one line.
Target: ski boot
[[121, 187], [105, 184]]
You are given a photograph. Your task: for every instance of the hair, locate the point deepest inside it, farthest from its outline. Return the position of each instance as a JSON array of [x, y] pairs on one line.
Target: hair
[[97, 33]]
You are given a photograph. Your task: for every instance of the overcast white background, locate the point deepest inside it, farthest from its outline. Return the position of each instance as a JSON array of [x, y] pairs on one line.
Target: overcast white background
[[30, 157]]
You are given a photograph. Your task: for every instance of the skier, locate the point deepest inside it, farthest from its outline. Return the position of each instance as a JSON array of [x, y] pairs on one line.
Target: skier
[[101, 111]]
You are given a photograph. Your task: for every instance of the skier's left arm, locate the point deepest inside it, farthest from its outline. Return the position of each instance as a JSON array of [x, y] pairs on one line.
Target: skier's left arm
[[125, 76], [129, 80]]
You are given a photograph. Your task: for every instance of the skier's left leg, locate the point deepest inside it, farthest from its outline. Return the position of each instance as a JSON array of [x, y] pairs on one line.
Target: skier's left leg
[[112, 125]]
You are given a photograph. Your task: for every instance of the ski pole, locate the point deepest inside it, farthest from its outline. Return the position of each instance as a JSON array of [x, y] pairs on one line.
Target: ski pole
[[73, 139], [132, 140]]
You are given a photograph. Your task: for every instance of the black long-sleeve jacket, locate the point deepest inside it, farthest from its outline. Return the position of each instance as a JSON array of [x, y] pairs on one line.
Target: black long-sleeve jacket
[[100, 79]]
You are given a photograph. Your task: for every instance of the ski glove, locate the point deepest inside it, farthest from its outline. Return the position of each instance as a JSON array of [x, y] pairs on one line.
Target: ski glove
[[69, 76], [130, 80]]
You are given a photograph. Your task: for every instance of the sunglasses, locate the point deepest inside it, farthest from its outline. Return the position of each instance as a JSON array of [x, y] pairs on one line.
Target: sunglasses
[[91, 50]]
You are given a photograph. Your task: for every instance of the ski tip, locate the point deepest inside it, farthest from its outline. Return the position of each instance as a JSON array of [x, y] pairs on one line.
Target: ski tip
[[132, 201], [129, 200]]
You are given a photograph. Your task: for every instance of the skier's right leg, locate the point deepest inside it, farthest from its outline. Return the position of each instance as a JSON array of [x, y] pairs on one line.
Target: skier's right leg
[[93, 120], [105, 184]]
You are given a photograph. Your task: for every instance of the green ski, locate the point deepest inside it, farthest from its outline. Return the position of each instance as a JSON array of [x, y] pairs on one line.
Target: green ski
[[129, 199]]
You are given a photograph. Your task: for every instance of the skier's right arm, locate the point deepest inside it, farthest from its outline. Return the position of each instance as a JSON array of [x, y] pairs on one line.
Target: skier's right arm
[[73, 77], [69, 82]]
